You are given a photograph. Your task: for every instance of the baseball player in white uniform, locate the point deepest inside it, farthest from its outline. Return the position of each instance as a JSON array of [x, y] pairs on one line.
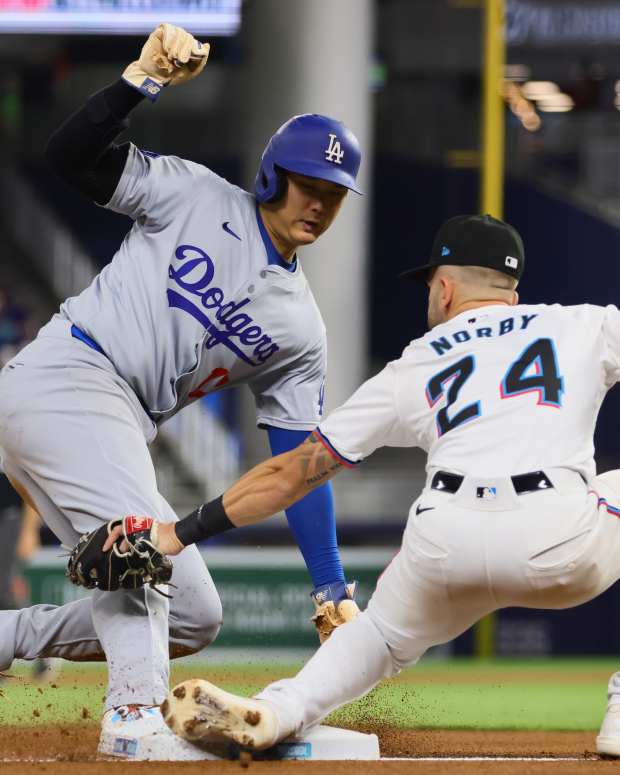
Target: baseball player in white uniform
[[503, 397], [204, 293]]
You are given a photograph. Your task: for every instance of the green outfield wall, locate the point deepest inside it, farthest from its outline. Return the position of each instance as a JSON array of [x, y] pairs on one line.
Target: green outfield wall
[[264, 592]]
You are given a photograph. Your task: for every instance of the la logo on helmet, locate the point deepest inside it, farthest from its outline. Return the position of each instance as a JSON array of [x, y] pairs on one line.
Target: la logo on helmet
[[334, 152]]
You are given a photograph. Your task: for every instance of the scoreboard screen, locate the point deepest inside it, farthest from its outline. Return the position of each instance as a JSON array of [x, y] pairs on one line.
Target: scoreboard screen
[[120, 17]]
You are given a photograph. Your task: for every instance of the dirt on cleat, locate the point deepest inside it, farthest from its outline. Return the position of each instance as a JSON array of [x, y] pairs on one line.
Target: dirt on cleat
[[199, 711]]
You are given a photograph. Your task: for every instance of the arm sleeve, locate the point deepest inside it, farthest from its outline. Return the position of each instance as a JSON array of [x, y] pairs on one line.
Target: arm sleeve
[[82, 152], [611, 336], [312, 519], [367, 421], [292, 396]]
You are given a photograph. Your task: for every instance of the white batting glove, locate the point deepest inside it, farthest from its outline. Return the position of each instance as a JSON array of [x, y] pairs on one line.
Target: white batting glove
[[170, 56]]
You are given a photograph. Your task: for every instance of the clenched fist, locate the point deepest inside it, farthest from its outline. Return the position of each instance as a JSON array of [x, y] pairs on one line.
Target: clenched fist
[[170, 56]]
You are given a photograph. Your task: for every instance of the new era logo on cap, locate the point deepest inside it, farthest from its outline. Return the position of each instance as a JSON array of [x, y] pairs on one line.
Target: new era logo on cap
[[512, 262]]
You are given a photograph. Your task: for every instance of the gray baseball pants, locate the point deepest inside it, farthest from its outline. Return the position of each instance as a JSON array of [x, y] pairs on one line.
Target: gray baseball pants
[[73, 439]]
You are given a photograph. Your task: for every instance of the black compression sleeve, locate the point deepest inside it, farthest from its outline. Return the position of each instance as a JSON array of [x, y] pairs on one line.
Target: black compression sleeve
[[208, 520], [81, 150]]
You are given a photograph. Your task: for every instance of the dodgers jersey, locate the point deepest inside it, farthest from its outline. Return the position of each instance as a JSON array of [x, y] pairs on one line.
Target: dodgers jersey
[[189, 304], [496, 391]]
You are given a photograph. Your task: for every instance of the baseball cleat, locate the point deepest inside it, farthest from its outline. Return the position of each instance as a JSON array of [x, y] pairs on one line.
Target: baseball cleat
[[608, 740], [198, 711], [138, 733]]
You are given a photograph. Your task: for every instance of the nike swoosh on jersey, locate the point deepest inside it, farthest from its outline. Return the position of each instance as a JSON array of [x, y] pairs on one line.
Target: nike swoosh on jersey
[[420, 509], [228, 230]]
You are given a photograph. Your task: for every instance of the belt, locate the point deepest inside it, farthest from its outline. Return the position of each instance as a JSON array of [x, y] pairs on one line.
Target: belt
[[534, 481], [79, 334]]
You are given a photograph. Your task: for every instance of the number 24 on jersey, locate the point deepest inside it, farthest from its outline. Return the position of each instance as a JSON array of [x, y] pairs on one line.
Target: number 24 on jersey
[[535, 370]]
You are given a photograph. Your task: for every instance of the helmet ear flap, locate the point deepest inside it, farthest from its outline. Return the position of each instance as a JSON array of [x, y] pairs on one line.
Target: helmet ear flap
[[281, 183], [270, 182], [271, 186]]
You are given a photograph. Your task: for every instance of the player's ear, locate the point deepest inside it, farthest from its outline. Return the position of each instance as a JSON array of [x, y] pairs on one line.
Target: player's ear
[[447, 291], [515, 298]]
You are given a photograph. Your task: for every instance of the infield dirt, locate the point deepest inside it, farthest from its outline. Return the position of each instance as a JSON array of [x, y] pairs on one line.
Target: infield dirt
[[32, 740], [70, 749]]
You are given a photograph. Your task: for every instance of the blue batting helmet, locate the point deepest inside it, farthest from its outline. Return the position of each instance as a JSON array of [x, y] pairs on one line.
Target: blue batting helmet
[[313, 145]]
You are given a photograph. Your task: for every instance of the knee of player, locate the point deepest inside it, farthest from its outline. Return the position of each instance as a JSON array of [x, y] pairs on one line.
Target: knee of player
[[211, 626], [403, 648], [204, 619]]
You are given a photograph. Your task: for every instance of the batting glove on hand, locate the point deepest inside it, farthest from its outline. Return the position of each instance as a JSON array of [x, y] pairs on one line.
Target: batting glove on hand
[[139, 562], [170, 56], [333, 605]]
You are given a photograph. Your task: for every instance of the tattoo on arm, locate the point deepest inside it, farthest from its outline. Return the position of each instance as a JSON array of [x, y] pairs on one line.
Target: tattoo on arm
[[316, 462]]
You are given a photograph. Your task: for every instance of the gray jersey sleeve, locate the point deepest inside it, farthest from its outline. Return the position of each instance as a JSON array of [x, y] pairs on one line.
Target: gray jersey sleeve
[[154, 187], [292, 396]]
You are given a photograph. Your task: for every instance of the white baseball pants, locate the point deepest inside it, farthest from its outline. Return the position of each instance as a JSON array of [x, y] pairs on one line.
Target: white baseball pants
[[74, 437], [461, 558]]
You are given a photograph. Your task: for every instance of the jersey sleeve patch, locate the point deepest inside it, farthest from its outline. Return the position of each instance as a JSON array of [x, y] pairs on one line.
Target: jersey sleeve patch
[[334, 452]]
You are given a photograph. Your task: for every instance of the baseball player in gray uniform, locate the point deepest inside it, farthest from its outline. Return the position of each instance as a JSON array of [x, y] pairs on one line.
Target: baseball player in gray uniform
[[503, 397], [205, 292]]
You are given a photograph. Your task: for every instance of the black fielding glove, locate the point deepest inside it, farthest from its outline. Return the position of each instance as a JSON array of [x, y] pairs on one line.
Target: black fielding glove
[[89, 566]]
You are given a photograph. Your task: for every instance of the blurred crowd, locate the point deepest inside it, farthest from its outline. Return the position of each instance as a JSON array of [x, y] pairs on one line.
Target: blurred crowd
[[16, 326], [19, 524]]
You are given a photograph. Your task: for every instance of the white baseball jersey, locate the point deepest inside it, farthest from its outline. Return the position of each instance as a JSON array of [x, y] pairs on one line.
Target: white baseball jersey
[[495, 391], [190, 304]]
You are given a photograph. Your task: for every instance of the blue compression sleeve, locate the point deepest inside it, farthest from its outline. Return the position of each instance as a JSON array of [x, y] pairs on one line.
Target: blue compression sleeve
[[312, 519]]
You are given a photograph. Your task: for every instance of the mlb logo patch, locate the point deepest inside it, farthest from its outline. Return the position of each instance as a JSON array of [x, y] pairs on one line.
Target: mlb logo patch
[[486, 493], [511, 262]]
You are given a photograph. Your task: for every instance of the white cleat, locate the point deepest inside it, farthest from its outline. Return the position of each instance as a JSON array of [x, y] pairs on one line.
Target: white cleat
[[198, 711], [138, 733], [608, 740]]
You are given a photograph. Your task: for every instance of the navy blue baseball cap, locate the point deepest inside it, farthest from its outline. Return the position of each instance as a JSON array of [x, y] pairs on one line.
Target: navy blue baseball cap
[[474, 240]]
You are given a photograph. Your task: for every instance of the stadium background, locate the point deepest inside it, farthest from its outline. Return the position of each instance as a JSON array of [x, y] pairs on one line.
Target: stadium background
[[408, 76]]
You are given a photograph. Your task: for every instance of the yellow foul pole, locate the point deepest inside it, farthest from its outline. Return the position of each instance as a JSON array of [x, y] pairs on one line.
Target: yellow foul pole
[[492, 184], [492, 161]]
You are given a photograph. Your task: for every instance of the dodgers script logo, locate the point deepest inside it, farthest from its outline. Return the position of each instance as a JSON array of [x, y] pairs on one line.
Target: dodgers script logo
[[226, 325]]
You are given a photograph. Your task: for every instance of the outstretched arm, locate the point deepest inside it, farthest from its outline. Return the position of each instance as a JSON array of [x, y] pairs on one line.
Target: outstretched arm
[[266, 489], [277, 483]]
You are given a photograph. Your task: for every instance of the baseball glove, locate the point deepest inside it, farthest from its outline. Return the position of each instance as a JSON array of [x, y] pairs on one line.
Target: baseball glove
[[142, 563], [333, 605]]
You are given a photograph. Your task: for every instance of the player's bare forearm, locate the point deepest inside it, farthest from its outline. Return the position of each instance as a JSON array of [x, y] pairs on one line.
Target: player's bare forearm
[[279, 482], [266, 489]]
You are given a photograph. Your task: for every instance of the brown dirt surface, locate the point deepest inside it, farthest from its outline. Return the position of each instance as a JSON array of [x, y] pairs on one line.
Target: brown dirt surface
[[70, 750], [250, 674]]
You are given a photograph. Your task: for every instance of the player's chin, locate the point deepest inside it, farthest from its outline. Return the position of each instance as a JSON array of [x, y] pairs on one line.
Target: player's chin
[[303, 236]]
